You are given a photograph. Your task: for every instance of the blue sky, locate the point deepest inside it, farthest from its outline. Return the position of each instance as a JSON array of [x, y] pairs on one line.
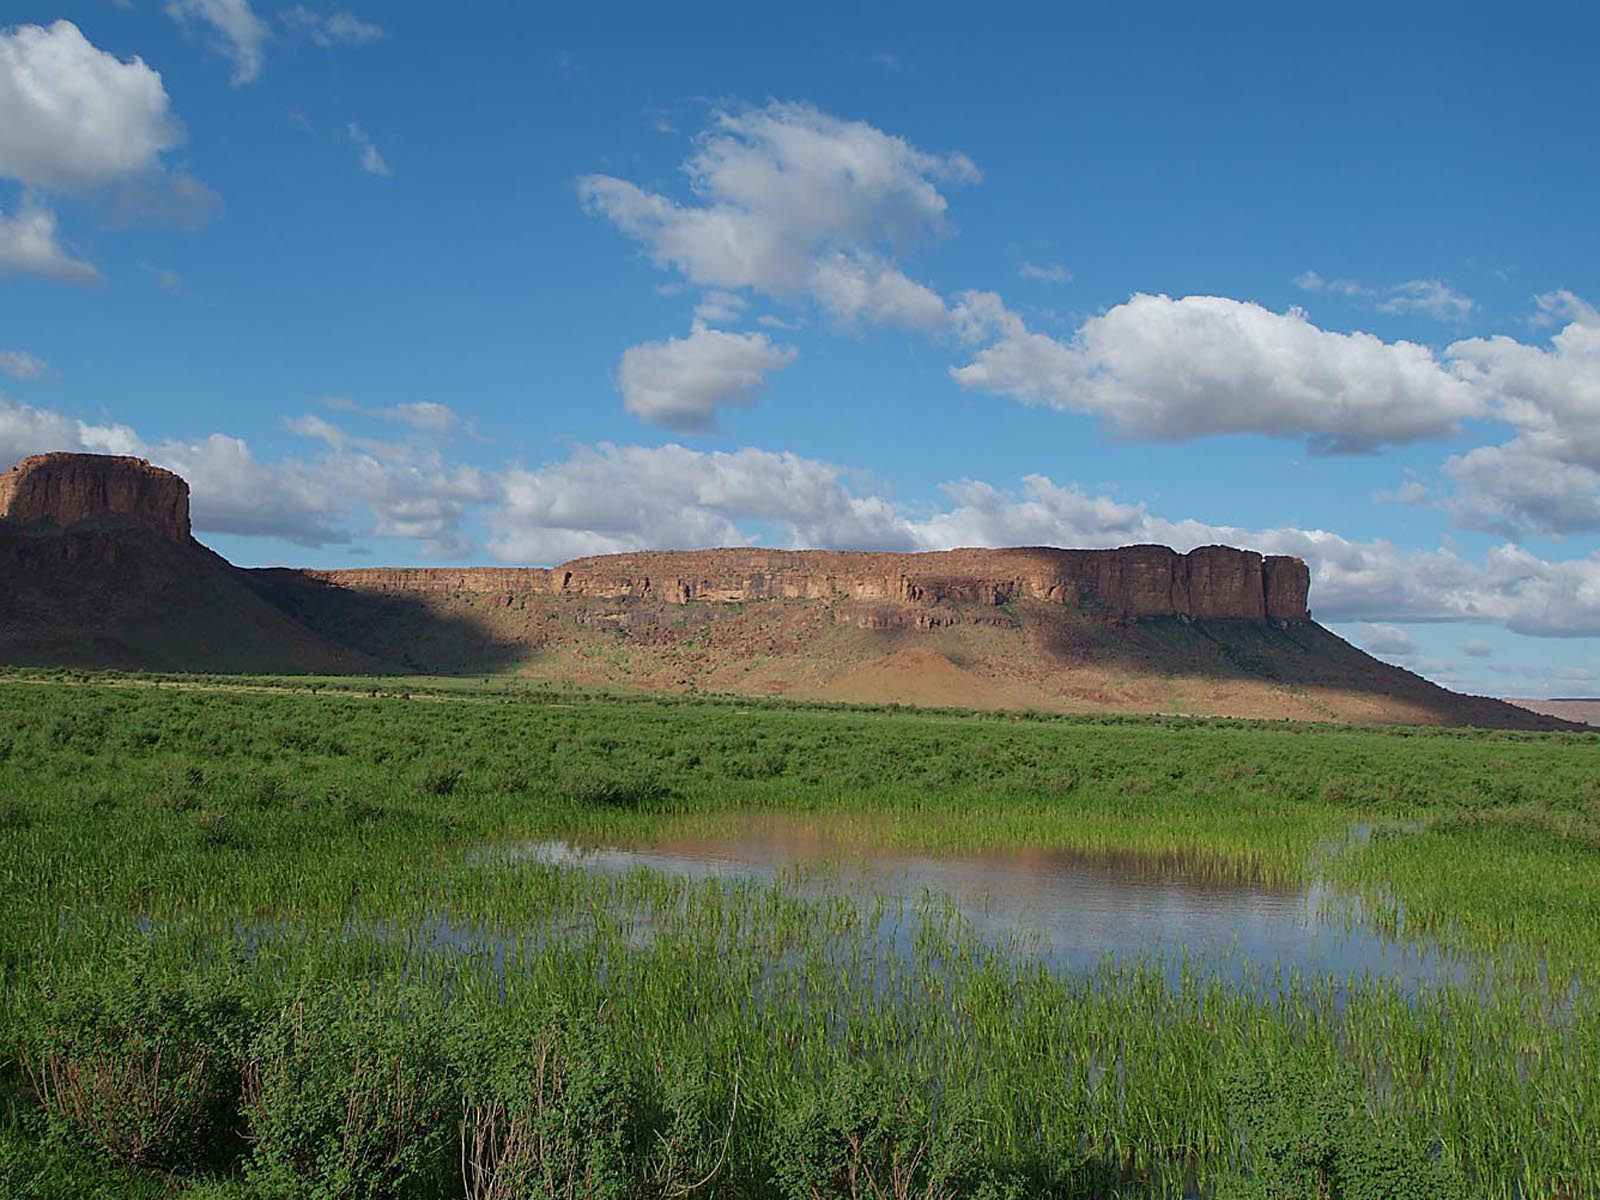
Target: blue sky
[[511, 283]]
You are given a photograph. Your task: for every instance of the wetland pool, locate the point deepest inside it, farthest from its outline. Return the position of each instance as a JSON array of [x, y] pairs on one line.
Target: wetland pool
[[1071, 910]]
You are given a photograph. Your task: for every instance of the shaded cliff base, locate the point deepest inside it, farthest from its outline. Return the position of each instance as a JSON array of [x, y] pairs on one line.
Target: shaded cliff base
[[111, 592]]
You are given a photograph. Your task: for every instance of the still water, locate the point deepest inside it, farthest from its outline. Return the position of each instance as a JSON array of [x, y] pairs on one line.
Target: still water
[[1072, 910]]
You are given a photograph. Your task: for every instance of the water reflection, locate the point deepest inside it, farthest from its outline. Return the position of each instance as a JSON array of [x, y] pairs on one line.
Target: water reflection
[[1073, 909]]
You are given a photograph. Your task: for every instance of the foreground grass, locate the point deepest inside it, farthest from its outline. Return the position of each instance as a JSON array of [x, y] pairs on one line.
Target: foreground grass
[[256, 945]]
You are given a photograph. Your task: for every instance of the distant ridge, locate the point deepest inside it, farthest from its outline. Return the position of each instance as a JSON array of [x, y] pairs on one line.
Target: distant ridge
[[98, 568], [1582, 709]]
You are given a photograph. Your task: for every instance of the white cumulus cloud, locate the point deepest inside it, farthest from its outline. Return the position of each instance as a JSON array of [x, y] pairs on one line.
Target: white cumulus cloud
[[1516, 492], [27, 430], [1045, 272], [1423, 297], [424, 416], [719, 307], [682, 383], [775, 191], [72, 116], [853, 287], [1310, 281], [1389, 641], [1552, 396], [76, 119], [1429, 297], [1546, 479], [1168, 370], [607, 499]]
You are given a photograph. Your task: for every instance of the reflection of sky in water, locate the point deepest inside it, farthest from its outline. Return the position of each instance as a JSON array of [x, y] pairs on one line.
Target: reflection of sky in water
[[1073, 910]]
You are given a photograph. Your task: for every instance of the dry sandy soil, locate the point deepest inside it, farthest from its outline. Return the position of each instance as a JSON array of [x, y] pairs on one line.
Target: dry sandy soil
[[1585, 711]]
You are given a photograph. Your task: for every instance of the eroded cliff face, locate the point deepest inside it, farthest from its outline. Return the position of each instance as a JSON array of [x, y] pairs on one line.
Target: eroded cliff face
[[66, 489], [1212, 582], [137, 592]]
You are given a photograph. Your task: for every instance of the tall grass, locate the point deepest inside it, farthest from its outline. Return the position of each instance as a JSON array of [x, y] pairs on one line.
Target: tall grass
[[271, 923]]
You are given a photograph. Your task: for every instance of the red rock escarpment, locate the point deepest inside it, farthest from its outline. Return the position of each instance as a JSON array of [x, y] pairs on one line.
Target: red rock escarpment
[[1136, 581], [65, 489], [1211, 582]]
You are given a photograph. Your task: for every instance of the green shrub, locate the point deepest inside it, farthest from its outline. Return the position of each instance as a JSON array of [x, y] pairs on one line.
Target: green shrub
[[182, 787], [1305, 1132], [546, 1109], [440, 779], [757, 763], [269, 790], [867, 1132], [348, 1096], [684, 1128], [141, 1071], [599, 789]]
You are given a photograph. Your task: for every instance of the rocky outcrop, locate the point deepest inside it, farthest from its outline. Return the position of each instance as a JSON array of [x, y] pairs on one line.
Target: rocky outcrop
[[1287, 584], [1212, 582], [65, 489]]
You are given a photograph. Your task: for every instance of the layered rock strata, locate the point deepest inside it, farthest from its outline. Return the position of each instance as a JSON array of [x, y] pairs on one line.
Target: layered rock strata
[[1212, 582], [65, 489]]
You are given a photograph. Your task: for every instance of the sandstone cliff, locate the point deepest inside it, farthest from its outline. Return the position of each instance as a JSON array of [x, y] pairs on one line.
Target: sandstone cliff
[[65, 489], [1212, 582], [97, 568]]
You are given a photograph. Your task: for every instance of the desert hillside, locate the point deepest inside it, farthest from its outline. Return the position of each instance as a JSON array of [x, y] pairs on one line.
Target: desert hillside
[[100, 569]]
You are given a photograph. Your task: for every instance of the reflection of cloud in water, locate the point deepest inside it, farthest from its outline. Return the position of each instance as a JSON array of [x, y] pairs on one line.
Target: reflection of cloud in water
[[1072, 909]]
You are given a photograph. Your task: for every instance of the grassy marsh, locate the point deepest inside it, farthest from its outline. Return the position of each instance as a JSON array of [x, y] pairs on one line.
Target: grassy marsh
[[280, 864]]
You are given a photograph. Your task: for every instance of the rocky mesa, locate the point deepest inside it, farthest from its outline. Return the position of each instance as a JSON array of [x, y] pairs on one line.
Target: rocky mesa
[[1209, 583], [66, 489], [98, 568], [1212, 582]]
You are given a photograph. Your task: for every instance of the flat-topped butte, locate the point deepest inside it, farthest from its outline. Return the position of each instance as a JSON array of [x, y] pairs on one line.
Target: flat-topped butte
[[1212, 582]]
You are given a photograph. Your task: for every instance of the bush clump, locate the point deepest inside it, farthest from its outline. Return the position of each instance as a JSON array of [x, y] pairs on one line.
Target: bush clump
[[597, 789], [1304, 1131], [181, 787], [347, 1095], [140, 1070], [546, 1109], [868, 1131], [685, 1127], [440, 779]]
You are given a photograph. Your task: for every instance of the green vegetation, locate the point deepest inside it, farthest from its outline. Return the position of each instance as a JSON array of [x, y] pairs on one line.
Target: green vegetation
[[263, 939]]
